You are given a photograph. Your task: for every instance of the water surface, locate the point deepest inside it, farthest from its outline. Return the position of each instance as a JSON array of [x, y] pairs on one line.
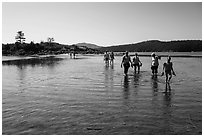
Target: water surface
[[59, 95]]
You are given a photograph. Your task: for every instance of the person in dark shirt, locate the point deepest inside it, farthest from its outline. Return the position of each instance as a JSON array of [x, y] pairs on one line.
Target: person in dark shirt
[[126, 61], [168, 69]]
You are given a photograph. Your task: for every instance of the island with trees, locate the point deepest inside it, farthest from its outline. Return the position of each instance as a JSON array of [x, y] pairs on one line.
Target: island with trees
[[20, 48]]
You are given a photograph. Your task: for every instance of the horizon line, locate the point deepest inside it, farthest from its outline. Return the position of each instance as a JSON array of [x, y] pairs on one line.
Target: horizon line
[[115, 44]]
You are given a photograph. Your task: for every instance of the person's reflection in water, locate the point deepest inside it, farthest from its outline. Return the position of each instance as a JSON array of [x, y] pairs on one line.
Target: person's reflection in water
[[155, 84], [167, 110], [106, 67], [106, 81], [136, 80], [168, 87], [109, 77], [126, 87], [167, 95], [112, 66]]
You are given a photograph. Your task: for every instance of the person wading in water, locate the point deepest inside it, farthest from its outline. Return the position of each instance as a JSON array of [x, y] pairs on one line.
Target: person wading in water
[[126, 61], [155, 64], [136, 63]]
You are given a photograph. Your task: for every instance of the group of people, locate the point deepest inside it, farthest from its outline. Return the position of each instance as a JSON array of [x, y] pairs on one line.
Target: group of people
[[126, 63], [167, 67], [136, 64], [72, 54], [109, 58]]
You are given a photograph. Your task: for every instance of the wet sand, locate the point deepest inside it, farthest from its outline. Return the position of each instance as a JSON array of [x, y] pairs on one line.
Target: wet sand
[[85, 97]]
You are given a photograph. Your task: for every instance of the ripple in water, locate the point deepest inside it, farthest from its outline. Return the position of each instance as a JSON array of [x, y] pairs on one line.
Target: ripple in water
[[59, 95]]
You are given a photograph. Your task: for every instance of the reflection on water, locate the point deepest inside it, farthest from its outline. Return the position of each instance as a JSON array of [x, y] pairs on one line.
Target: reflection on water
[[131, 84], [167, 99], [84, 96], [126, 87], [22, 75], [167, 87], [167, 110], [126, 84], [155, 85], [109, 74], [45, 61], [136, 80], [112, 66]]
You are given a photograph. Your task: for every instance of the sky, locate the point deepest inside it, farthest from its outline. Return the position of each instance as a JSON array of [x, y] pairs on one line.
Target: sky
[[102, 23]]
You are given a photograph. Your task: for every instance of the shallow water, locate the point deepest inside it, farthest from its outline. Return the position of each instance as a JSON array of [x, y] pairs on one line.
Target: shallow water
[[84, 96]]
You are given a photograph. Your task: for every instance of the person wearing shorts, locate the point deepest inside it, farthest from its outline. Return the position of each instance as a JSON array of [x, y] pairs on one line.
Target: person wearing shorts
[[155, 64], [126, 61], [111, 58], [106, 58], [136, 63], [168, 69]]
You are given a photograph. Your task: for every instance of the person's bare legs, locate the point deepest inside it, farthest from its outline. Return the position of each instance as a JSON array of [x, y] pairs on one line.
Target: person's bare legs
[[135, 69], [167, 77], [170, 76], [138, 69]]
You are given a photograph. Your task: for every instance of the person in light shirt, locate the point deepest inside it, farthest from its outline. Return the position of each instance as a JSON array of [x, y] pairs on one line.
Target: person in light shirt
[[154, 64], [136, 63], [106, 58]]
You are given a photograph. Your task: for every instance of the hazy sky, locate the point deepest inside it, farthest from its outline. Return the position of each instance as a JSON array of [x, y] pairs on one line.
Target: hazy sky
[[104, 24]]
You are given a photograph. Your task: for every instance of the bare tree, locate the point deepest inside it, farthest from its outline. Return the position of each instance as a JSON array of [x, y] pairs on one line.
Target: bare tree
[[50, 40]]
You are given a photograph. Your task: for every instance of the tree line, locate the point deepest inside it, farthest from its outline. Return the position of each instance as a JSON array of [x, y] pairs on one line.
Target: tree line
[[158, 46], [20, 48], [50, 47], [43, 48]]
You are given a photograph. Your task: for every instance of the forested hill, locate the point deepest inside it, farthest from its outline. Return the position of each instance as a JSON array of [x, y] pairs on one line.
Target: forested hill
[[88, 45], [158, 46], [44, 48]]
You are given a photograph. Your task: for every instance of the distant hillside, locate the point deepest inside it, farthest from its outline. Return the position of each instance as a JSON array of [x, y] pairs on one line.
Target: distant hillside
[[158, 46], [88, 45]]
